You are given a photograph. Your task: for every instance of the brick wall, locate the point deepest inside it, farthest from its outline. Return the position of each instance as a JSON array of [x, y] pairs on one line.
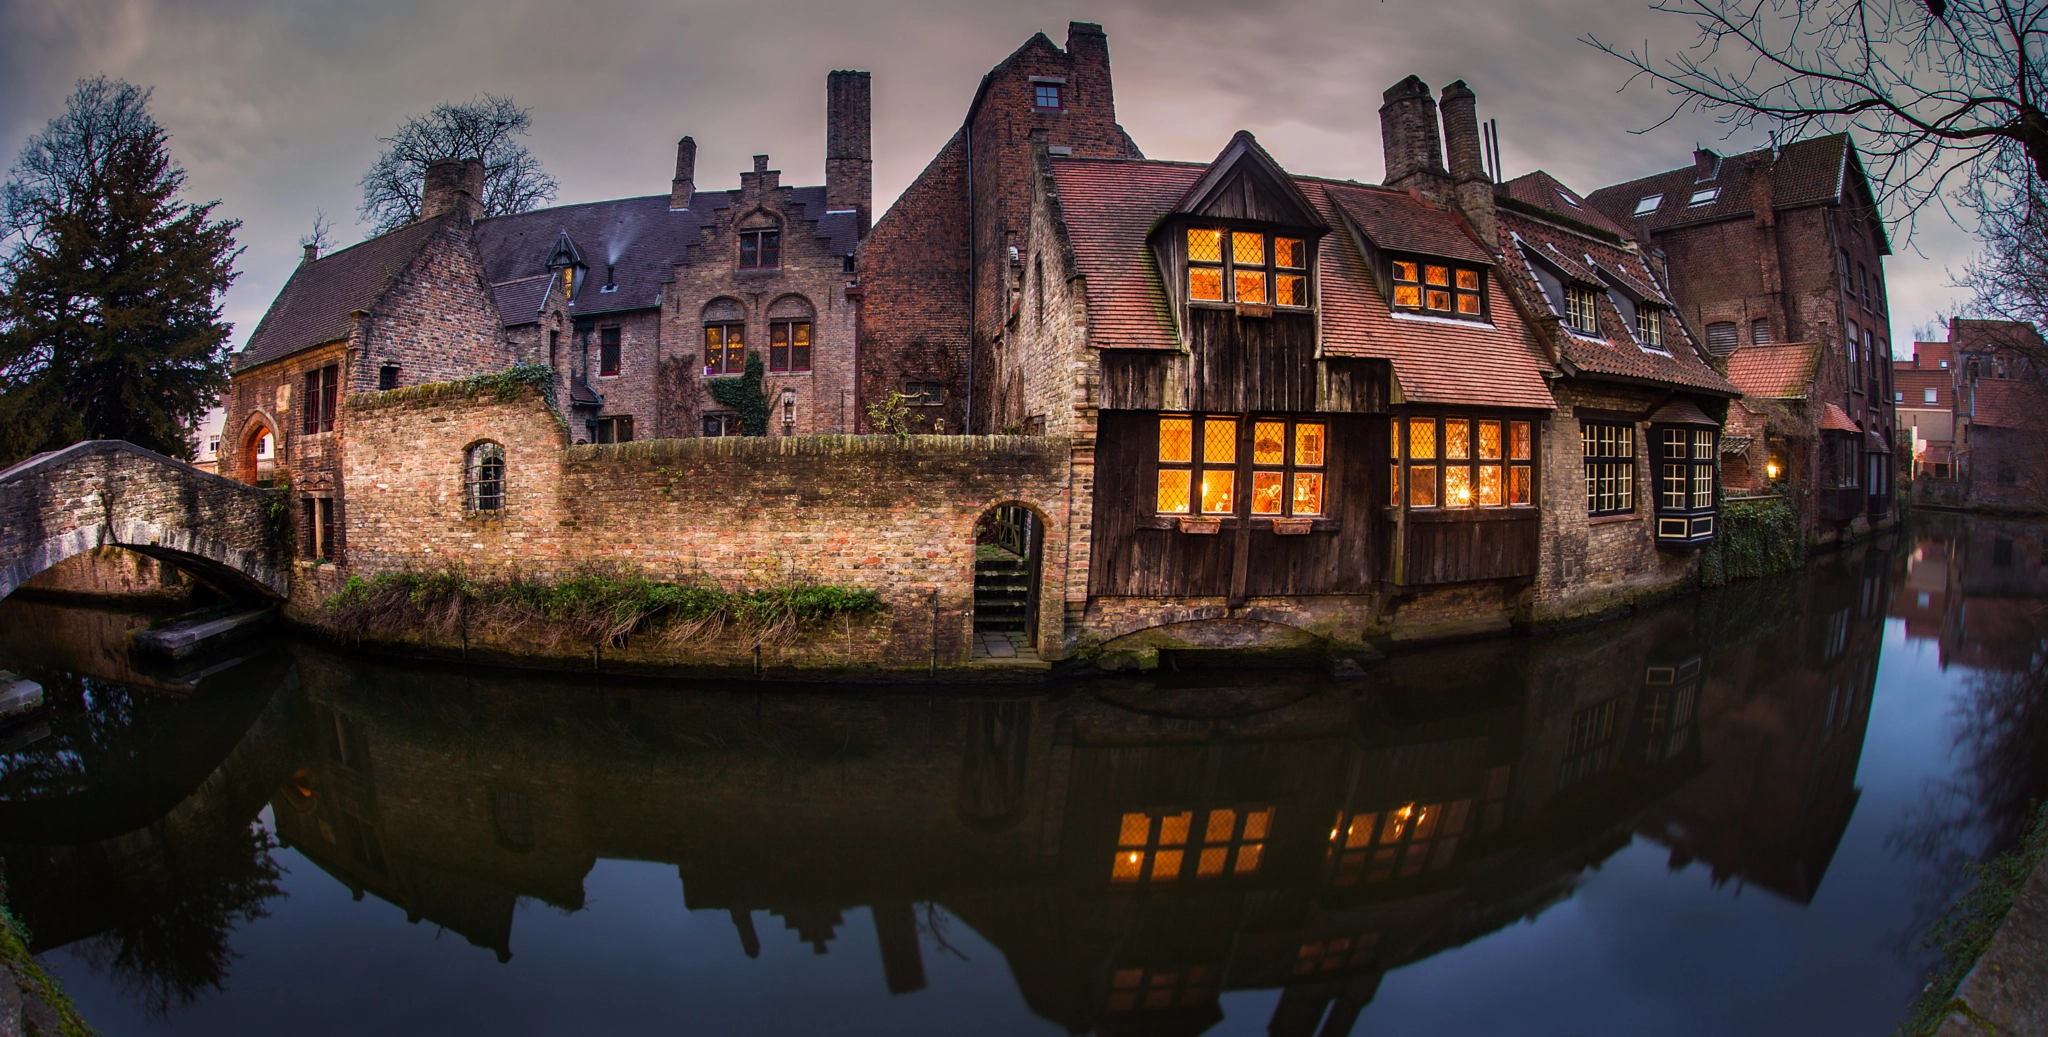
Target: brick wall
[[870, 512], [914, 320]]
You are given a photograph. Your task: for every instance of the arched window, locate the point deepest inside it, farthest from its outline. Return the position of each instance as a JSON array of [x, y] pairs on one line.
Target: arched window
[[725, 326], [486, 478], [789, 334]]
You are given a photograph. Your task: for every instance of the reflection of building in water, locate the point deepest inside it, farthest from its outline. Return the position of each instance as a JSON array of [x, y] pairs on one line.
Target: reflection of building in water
[[1979, 587], [1781, 718]]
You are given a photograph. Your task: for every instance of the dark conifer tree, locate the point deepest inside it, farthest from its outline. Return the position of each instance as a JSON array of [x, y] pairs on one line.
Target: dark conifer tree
[[110, 286]]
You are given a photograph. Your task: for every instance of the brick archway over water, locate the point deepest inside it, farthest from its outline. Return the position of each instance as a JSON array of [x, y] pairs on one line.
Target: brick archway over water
[[111, 493]]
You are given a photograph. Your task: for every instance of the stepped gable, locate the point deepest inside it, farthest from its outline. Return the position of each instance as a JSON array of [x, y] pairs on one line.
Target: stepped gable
[[313, 308], [1783, 371]]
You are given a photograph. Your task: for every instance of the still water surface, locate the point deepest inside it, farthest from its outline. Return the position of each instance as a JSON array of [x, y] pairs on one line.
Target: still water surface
[[1733, 813]]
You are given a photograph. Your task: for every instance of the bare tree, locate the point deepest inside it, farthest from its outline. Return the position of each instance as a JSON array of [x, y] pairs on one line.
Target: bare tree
[[321, 237], [1939, 93], [486, 128]]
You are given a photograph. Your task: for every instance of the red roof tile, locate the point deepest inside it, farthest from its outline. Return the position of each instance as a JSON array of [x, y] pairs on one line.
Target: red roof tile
[[1835, 419], [1547, 192], [1783, 371], [1111, 208]]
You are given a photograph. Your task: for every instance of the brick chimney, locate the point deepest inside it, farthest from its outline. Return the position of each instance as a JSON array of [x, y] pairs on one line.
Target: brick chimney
[[760, 182], [1470, 186], [454, 185], [1706, 165], [685, 183], [849, 152], [1415, 159]]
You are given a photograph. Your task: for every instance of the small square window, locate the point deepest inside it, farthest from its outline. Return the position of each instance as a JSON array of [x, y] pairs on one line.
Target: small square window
[[1045, 95], [1649, 204]]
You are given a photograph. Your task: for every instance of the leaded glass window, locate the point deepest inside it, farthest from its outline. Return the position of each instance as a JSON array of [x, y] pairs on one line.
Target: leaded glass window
[[485, 477], [1439, 288], [1242, 266], [1459, 462], [1201, 466]]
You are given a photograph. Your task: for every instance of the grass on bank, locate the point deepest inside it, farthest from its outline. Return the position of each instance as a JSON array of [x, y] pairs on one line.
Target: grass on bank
[[1963, 934], [593, 605], [15, 957]]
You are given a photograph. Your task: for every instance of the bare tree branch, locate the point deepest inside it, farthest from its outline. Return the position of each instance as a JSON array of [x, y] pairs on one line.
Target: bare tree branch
[[486, 128]]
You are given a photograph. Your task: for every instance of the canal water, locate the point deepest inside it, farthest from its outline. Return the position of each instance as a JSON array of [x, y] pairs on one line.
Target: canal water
[[1732, 813]]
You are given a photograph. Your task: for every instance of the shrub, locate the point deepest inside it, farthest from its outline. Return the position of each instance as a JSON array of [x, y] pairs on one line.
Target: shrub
[[1752, 539]]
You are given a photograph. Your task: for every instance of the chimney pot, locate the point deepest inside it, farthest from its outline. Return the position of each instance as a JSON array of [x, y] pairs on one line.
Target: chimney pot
[[1408, 133], [1471, 188], [685, 183]]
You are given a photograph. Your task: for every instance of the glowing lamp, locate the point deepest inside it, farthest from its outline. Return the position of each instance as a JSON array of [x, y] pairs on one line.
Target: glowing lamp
[[1771, 469]]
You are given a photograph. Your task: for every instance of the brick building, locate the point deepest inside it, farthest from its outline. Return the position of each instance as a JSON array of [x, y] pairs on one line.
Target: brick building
[[1924, 393], [2001, 393], [1775, 246]]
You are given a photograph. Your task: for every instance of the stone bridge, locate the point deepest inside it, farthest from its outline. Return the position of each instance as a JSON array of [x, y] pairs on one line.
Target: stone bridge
[[111, 493]]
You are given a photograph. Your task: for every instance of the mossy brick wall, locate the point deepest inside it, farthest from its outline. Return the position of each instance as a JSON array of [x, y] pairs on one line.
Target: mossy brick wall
[[894, 516]]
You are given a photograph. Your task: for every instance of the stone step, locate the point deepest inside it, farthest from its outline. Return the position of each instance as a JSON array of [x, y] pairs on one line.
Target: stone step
[[180, 638], [996, 626], [1017, 568], [1012, 591]]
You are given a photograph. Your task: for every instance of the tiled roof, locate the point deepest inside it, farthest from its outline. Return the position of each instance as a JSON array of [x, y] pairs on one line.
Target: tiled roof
[[581, 394], [1807, 172], [519, 301], [1681, 411], [1544, 191], [1915, 382], [640, 238], [1112, 206], [1835, 419], [2011, 403], [1616, 352], [314, 306], [1783, 371]]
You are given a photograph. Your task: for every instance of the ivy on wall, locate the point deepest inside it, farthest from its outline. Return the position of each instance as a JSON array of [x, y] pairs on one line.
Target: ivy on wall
[[1752, 539], [744, 394]]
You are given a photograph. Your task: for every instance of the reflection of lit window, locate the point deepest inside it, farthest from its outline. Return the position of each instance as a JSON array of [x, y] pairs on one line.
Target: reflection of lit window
[[1376, 846], [1163, 847], [1153, 989], [1330, 955]]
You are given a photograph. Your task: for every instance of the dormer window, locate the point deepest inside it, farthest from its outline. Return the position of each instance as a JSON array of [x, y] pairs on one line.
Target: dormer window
[[760, 249], [1239, 266], [1437, 288], [1581, 309], [1650, 327]]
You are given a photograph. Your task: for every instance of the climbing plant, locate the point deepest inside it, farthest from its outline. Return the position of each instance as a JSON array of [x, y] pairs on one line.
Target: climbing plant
[[744, 394], [891, 414], [1753, 538], [278, 509]]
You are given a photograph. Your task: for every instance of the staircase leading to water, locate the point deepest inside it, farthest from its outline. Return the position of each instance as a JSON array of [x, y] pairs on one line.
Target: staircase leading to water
[[1002, 591]]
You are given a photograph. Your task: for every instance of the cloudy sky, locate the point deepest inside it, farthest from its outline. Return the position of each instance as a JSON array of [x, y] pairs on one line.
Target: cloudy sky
[[275, 106]]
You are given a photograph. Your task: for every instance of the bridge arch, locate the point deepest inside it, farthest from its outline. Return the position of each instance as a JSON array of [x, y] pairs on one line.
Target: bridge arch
[[109, 493]]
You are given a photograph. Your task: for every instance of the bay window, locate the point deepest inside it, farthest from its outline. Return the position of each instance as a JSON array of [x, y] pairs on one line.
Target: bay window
[[1610, 455], [1686, 459]]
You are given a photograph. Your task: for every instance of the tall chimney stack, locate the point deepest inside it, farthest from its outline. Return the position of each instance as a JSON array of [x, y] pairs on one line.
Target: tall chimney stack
[[1471, 188], [849, 150], [454, 185], [685, 183], [1415, 158]]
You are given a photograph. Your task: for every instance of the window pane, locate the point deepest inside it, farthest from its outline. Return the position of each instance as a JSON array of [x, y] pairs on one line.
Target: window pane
[[1256, 823], [1394, 486], [1489, 485], [1468, 280], [1397, 824], [1308, 444], [778, 347], [1211, 863], [1219, 440], [1173, 828], [1290, 290], [1308, 493], [1518, 484], [1421, 487], [771, 248], [1675, 442], [1421, 439], [1457, 439], [1394, 438], [1489, 440], [1129, 864], [1468, 304], [1437, 275], [1269, 442], [1360, 832], [1425, 821], [1266, 489], [1216, 491], [1176, 439], [1518, 440], [1674, 485], [1702, 486], [1136, 830], [1166, 866], [1173, 491], [1248, 249], [1251, 286], [1248, 857], [1404, 271], [1205, 283], [1703, 446], [1289, 252], [1221, 826], [1457, 486], [1408, 295], [1205, 246], [1439, 300]]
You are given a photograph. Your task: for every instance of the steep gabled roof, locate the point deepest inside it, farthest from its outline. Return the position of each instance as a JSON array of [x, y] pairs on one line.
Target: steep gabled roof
[[1111, 208], [314, 306], [1400, 221], [1815, 171], [520, 301], [1778, 372], [1546, 192], [1242, 178]]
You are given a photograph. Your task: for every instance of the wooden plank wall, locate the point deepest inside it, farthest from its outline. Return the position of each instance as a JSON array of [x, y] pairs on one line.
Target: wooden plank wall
[[1470, 545]]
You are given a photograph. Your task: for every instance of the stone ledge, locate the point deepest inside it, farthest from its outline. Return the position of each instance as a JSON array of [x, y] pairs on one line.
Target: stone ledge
[[818, 445], [2007, 991]]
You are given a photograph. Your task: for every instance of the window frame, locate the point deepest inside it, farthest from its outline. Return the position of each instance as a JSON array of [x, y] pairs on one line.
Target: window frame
[[789, 360], [316, 544], [613, 428], [766, 244], [322, 398], [1246, 468], [477, 480], [1227, 265], [1649, 327], [1686, 466], [1514, 455], [1582, 303], [1039, 92], [610, 347], [727, 366], [728, 423], [1604, 467], [1141, 861], [1420, 266]]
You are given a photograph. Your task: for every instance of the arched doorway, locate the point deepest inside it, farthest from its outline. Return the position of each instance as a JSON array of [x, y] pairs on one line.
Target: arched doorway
[[1009, 540], [256, 460]]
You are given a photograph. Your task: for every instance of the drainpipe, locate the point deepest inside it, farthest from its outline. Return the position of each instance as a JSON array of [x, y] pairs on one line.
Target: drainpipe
[[973, 285]]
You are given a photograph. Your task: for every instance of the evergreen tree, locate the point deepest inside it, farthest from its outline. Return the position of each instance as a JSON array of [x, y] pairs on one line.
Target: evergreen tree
[[110, 322]]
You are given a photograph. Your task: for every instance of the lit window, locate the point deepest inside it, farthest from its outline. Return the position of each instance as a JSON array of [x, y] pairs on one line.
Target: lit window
[[1236, 266], [1610, 452], [486, 477], [789, 345], [1581, 310], [1045, 95], [1167, 847], [1200, 466], [1703, 196], [1438, 288], [1458, 463], [725, 348], [1649, 204], [1650, 326], [1374, 846], [760, 249]]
